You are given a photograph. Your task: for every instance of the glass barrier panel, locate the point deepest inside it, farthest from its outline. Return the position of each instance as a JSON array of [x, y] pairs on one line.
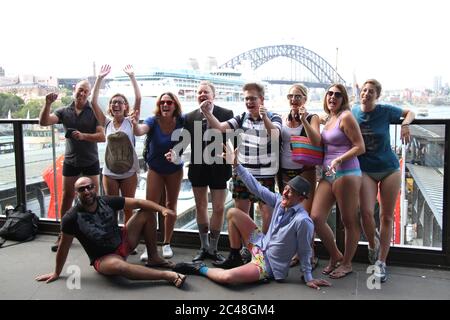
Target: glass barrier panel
[[7, 167], [419, 207], [42, 196]]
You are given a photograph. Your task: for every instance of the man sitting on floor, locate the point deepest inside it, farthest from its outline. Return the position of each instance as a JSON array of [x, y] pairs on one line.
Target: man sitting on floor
[[290, 231], [93, 221]]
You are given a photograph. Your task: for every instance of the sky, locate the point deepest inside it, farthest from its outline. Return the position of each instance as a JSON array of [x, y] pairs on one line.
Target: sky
[[401, 43]]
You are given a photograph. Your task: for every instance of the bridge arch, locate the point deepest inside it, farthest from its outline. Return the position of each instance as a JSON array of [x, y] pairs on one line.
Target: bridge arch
[[318, 66]]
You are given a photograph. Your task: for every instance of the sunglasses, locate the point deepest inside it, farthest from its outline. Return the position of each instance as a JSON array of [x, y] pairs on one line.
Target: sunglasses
[[337, 94], [119, 102], [166, 102], [251, 98], [297, 97], [89, 187]]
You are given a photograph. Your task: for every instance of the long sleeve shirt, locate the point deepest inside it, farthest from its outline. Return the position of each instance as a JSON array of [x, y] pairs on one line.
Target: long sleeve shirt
[[291, 231]]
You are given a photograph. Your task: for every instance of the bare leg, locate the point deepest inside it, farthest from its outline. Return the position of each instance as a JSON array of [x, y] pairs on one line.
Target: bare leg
[[323, 201], [68, 194], [266, 213], [218, 202], [201, 204], [128, 189], [243, 204], [345, 189], [240, 227], [368, 196], [115, 265], [172, 184], [389, 189], [247, 273]]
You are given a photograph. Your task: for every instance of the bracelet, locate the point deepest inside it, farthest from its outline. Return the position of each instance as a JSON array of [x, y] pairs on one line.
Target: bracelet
[[405, 124]]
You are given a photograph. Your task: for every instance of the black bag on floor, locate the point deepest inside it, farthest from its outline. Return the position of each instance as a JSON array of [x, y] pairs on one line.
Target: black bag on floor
[[20, 225]]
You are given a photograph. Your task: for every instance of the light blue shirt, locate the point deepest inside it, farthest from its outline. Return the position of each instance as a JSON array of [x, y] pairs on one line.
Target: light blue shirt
[[291, 231]]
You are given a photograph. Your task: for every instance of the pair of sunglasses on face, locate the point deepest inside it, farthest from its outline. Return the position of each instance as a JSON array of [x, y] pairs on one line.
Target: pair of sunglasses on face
[[337, 94], [89, 187]]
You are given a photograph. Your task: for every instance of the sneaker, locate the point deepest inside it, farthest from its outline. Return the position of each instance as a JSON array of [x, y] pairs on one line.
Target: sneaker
[[232, 261], [246, 255], [167, 251], [189, 268], [55, 247], [373, 253], [202, 254], [144, 256], [380, 271], [216, 257]]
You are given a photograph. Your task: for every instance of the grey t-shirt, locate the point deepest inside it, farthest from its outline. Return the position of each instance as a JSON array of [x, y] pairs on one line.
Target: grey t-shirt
[[79, 153]]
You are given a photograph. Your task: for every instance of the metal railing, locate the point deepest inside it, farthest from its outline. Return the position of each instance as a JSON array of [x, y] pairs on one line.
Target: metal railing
[[422, 209]]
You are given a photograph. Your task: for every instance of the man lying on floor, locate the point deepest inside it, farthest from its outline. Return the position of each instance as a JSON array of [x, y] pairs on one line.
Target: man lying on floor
[[290, 231], [93, 221]]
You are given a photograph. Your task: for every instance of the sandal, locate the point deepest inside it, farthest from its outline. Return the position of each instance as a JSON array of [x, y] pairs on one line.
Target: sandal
[[330, 268], [339, 273], [179, 281]]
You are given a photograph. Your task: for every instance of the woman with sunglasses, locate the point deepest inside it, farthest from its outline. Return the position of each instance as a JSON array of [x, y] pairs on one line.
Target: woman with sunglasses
[[298, 123], [381, 169], [163, 177], [340, 181], [114, 183]]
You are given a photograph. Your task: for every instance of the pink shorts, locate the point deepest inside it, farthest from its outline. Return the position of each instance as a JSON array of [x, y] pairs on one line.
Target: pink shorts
[[123, 250]]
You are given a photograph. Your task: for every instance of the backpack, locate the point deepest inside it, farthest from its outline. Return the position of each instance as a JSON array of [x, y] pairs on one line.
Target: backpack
[[19, 225], [119, 153]]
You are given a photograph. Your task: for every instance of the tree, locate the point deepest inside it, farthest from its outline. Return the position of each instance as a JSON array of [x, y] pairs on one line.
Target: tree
[[9, 102]]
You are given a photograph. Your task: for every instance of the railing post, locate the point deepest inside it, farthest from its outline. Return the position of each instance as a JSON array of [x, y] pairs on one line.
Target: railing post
[[445, 211], [21, 189]]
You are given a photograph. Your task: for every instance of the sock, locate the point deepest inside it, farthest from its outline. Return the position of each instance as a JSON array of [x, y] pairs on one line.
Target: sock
[[214, 239], [203, 270], [203, 233]]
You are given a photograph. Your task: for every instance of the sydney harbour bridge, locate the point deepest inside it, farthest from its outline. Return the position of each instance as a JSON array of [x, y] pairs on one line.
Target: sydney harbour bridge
[[323, 73]]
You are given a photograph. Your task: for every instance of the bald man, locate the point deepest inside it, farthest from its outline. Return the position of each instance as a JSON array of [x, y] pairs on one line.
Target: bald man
[[93, 221], [82, 134]]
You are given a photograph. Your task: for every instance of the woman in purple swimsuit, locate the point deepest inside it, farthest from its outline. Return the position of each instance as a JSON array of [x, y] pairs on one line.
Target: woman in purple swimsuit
[[341, 180]]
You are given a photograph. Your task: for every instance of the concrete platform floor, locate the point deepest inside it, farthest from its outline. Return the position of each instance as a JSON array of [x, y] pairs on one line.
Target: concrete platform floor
[[19, 264]]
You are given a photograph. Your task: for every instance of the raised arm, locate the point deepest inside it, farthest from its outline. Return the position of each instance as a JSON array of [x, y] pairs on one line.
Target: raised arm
[[312, 129], [45, 118], [129, 70], [206, 107], [104, 71], [61, 256]]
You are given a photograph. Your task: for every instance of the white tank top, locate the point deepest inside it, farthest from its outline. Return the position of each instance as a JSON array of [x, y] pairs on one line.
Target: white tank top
[[126, 127]]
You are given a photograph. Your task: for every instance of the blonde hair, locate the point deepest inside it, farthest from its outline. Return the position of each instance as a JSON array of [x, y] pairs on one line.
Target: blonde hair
[[376, 84], [301, 87], [127, 106]]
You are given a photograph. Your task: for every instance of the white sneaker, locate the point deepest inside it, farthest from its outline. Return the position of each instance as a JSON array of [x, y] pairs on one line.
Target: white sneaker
[[167, 251], [144, 256]]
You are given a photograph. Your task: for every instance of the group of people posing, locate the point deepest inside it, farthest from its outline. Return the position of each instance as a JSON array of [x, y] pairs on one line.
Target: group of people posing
[[358, 160]]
